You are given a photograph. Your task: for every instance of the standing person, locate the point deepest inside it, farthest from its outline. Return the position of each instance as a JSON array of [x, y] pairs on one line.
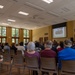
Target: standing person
[[32, 53], [67, 53], [48, 52]]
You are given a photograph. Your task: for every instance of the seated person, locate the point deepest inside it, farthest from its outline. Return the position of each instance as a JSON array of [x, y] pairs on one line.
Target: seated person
[[20, 47], [60, 46], [31, 52], [6, 47], [13, 47], [48, 52], [67, 53]]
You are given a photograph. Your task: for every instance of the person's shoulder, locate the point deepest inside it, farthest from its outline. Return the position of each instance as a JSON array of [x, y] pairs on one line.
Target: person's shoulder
[[36, 52], [42, 51]]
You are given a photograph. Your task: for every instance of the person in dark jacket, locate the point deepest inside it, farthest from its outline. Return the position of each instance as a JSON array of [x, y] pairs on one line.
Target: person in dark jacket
[[14, 48]]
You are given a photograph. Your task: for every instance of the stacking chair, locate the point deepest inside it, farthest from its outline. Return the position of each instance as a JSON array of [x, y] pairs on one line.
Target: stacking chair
[[18, 62], [48, 65], [32, 64], [68, 67], [7, 62], [19, 52]]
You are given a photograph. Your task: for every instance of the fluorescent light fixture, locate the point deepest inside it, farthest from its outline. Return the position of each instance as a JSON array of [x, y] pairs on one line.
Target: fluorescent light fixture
[[23, 13], [1, 6], [11, 20], [48, 1], [5, 24]]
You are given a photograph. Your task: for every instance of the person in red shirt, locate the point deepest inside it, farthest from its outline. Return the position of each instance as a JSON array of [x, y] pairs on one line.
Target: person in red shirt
[[60, 46], [47, 52]]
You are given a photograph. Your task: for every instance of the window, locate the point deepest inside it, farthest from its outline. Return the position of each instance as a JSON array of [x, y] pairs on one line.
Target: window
[[25, 35], [3, 40], [13, 40], [28, 33], [3, 31], [2, 34], [13, 32], [15, 35]]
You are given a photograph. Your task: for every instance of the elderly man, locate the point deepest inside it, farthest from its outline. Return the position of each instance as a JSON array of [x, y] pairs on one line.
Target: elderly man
[[67, 53], [47, 52]]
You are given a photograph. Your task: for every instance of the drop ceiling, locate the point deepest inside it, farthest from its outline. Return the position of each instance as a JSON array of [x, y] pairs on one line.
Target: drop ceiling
[[40, 13]]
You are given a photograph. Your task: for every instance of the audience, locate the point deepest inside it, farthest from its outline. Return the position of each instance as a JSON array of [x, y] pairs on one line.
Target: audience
[[54, 46], [26, 46], [6, 47], [13, 47], [73, 46], [31, 52], [47, 52], [60, 46], [21, 47], [67, 53]]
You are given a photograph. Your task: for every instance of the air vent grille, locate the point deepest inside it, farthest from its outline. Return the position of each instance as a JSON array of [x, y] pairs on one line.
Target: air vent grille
[[34, 6], [53, 14]]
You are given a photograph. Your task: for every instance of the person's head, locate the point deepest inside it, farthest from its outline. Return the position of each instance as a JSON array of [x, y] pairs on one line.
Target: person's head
[[6, 44], [68, 43], [21, 43], [13, 44], [48, 44], [61, 44], [31, 46], [36, 44]]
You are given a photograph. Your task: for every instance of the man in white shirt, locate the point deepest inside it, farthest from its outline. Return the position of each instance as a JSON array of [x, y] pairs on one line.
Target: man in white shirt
[[21, 47]]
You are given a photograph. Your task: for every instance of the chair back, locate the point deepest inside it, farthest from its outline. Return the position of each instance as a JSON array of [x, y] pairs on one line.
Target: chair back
[[6, 51], [32, 62], [48, 63], [6, 58], [68, 66], [18, 59], [19, 52]]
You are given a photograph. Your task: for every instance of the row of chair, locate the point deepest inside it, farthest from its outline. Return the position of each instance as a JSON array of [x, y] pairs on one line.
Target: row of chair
[[32, 64]]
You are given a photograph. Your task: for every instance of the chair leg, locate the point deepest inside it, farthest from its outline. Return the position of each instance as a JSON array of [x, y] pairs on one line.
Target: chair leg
[[7, 67], [1, 67], [19, 70], [10, 69], [23, 70], [39, 72], [29, 72]]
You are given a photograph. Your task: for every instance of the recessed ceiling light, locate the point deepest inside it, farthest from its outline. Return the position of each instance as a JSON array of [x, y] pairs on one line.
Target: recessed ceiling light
[[23, 13], [11, 20], [48, 1], [1, 6], [5, 24]]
